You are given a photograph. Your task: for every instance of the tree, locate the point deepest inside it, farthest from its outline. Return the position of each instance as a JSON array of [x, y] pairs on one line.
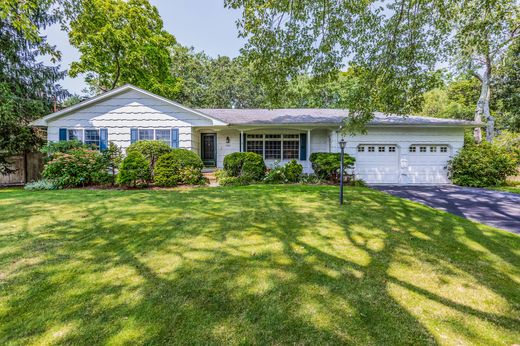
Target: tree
[[123, 42], [484, 32], [397, 46], [506, 90], [27, 86], [456, 100], [219, 82]]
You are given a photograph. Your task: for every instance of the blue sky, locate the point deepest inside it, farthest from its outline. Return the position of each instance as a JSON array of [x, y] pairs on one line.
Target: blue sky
[[204, 24]]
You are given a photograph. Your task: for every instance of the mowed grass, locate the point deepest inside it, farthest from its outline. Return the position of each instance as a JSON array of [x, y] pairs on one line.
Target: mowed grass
[[512, 189], [250, 265]]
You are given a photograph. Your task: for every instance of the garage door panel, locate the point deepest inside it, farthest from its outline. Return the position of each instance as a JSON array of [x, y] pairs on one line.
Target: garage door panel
[[427, 164], [377, 164]]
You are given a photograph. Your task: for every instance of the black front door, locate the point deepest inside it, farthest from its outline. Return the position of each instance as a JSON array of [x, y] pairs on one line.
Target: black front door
[[209, 149]]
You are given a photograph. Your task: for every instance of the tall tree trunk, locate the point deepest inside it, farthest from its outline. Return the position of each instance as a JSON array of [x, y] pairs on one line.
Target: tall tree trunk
[[483, 105]]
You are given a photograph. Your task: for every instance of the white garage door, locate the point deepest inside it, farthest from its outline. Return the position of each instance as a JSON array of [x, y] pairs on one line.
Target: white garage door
[[427, 164], [377, 164]]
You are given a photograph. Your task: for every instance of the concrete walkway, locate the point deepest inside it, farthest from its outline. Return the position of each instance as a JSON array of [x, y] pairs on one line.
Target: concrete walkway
[[494, 208]]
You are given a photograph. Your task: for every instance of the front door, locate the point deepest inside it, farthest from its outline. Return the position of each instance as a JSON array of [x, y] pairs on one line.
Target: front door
[[209, 149]]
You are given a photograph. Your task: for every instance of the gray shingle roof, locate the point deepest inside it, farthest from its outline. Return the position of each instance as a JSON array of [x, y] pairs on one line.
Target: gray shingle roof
[[316, 116]]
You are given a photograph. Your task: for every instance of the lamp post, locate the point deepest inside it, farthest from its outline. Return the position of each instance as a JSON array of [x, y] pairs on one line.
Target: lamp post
[[342, 144]]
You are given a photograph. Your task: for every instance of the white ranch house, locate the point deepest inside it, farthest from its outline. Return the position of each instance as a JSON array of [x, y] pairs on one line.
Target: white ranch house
[[395, 150]]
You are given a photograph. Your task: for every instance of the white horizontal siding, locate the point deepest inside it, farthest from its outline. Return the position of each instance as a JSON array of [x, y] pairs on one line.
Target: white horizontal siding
[[130, 110]]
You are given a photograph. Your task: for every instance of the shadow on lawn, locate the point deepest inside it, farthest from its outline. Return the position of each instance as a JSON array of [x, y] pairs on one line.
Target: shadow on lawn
[[246, 265]]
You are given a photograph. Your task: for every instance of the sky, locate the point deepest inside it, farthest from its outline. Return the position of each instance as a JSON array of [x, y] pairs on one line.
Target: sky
[[203, 24]]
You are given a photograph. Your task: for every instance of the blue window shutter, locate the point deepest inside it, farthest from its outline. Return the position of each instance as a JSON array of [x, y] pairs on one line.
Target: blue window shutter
[[303, 146], [244, 142], [133, 136], [63, 134], [103, 139], [175, 138]]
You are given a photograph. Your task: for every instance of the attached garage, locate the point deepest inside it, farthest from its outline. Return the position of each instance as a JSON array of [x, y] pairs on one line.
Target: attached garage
[[426, 164], [378, 163]]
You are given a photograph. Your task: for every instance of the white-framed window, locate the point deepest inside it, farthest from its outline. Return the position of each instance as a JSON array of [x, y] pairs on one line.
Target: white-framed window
[[371, 149], [444, 149], [391, 149], [422, 149], [75, 135], [145, 134], [433, 149], [412, 149], [274, 146], [87, 136], [360, 149], [381, 149], [164, 135], [92, 137]]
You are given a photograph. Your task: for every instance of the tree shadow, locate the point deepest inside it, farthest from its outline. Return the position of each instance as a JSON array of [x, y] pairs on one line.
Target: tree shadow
[[254, 265]]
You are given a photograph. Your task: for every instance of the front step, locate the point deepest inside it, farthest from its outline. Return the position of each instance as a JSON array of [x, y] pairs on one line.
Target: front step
[[211, 177]]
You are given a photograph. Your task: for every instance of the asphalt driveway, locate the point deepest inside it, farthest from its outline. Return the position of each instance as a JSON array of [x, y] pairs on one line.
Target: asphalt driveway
[[493, 208]]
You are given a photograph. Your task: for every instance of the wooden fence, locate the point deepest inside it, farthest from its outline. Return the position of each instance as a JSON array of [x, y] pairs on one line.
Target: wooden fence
[[26, 168]]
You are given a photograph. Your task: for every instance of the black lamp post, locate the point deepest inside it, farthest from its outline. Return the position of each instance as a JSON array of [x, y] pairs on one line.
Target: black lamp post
[[342, 144]]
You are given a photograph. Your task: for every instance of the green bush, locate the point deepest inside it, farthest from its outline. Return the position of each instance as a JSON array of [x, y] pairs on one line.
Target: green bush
[[293, 171], [245, 164], [290, 173], [151, 150], [78, 167], [134, 170], [235, 181], [113, 157], [275, 175], [327, 165], [42, 184], [52, 148], [482, 165], [180, 166], [224, 179]]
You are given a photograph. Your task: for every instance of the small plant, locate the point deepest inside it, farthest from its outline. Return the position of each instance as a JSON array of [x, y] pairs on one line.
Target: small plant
[[113, 157], [224, 179], [310, 179], [151, 150], [293, 171], [275, 175], [245, 164], [327, 165], [43, 184], [78, 167], [180, 166], [356, 183], [235, 181], [482, 165], [134, 170]]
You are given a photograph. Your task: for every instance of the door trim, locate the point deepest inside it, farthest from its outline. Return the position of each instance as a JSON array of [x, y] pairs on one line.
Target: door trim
[[209, 163]]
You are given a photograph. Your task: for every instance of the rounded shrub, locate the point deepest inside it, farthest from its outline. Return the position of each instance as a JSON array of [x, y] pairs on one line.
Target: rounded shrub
[[327, 165], [482, 165], [134, 170], [180, 166], [293, 171], [77, 167], [151, 150], [245, 164]]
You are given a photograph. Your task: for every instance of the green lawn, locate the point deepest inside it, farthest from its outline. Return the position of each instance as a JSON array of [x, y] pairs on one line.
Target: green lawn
[[250, 265], [513, 189]]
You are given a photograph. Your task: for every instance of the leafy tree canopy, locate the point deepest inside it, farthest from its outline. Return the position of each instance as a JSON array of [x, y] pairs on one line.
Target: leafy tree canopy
[[123, 42], [398, 44], [27, 87]]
